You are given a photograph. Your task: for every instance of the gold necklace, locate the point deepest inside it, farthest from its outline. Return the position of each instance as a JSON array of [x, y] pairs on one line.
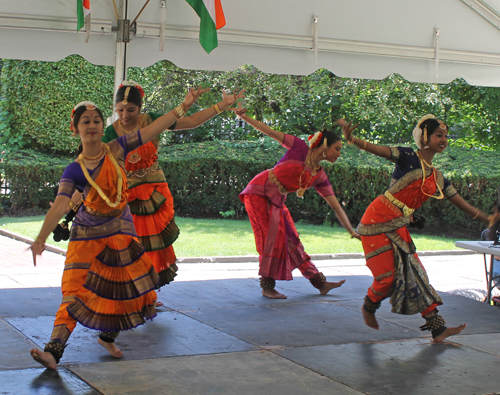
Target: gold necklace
[[93, 159], [419, 154], [309, 161], [441, 194], [97, 187], [125, 131]]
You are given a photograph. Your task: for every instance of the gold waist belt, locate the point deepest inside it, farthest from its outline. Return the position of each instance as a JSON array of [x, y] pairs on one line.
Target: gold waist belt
[[113, 213], [407, 211], [275, 181], [142, 172]]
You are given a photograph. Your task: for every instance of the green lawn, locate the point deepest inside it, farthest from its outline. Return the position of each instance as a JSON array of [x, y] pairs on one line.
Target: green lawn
[[224, 237]]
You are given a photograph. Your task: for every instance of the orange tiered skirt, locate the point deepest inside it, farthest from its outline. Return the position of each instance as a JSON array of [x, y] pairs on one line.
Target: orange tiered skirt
[[152, 208]]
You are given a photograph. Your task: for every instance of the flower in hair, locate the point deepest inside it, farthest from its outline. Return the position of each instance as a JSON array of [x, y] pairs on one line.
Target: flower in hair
[[417, 132], [134, 84], [314, 139]]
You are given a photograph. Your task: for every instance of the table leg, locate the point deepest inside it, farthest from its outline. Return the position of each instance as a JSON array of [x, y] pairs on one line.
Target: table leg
[[490, 279]]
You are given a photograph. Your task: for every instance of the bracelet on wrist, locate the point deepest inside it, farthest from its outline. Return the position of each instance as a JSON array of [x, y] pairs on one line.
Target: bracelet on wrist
[[217, 109], [179, 111]]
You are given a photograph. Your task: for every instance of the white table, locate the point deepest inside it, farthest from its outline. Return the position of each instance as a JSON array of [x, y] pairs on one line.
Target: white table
[[486, 248]]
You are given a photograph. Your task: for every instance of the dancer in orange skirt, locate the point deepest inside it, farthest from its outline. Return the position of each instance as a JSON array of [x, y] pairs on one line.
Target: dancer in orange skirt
[[150, 200], [389, 250], [108, 282], [278, 244]]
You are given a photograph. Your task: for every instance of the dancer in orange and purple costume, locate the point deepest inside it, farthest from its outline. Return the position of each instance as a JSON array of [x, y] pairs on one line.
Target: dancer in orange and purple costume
[[108, 282]]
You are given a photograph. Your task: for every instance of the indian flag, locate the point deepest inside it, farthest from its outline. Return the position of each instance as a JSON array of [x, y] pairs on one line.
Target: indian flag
[[82, 11], [211, 19]]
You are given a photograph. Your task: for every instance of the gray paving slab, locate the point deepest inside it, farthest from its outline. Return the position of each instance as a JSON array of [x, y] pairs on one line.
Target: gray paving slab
[[14, 353], [169, 334], [43, 382], [244, 373], [456, 310], [298, 325], [489, 342], [413, 367], [29, 302]]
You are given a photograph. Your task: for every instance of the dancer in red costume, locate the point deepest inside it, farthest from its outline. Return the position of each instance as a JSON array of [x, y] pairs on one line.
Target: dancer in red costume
[[278, 244], [389, 250]]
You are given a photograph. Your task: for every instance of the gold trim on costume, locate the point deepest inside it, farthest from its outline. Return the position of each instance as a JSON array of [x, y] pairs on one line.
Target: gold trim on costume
[[407, 211], [275, 181]]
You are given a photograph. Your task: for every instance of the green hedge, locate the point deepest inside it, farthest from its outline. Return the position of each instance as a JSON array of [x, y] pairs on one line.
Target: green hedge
[[206, 179]]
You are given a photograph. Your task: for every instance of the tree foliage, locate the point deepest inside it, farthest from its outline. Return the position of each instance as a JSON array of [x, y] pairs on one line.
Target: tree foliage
[[37, 99]]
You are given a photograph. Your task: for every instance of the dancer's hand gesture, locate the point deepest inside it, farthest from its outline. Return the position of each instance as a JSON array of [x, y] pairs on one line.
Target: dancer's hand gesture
[[36, 249], [192, 96], [347, 129], [240, 111], [229, 100]]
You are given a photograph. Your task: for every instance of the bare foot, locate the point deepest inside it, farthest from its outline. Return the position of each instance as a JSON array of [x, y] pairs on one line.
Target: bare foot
[[449, 332], [328, 286], [112, 349], [272, 294], [158, 303], [369, 319], [44, 358]]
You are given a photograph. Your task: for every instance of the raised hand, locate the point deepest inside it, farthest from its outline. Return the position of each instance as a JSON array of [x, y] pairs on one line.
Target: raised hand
[[192, 96], [240, 111], [229, 100], [347, 129]]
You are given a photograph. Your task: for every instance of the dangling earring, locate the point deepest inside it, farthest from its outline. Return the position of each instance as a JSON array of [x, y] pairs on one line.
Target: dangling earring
[[325, 143], [425, 138]]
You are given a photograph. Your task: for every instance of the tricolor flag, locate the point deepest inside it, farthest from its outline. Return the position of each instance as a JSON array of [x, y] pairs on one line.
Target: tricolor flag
[[83, 12], [211, 19]]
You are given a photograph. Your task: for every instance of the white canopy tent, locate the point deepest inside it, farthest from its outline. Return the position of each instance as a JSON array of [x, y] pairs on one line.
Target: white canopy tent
[[425, 41]]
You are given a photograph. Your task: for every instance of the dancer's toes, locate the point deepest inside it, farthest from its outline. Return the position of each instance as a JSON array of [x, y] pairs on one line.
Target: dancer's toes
[[449, 332], [44, 358], [328, 286], [369, 319], [272, 294], [158, 303], [112, 349]]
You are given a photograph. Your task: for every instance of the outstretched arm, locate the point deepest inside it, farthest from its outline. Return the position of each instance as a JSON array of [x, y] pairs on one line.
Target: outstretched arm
[[341, 215], [379, 150], [259, 125], [54, 215], [200, 117], [474, 212], [149, 132]]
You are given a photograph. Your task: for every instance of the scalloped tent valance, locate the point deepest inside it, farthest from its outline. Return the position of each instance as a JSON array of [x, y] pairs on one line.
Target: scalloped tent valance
[[424, 41]]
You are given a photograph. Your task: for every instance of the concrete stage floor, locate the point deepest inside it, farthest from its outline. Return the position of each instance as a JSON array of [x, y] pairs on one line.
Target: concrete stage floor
[[217, 335]]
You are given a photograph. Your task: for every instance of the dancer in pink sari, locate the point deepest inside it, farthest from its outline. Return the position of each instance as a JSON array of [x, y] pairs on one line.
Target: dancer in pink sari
[[278, 244]]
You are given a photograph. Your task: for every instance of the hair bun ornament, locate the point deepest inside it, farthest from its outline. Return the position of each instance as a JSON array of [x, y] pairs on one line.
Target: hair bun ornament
[[314, 139], [134, 84], [417, 132]]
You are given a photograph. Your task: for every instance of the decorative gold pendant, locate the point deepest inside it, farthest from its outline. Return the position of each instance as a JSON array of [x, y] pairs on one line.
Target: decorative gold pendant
[[134, 157]]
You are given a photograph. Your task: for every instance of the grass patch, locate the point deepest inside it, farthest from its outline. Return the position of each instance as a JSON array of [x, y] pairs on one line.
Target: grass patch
[[226, 237]]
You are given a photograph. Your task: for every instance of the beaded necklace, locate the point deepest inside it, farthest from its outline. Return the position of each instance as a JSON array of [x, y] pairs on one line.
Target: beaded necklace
[[81, 159], [422, 161], [308, 162]]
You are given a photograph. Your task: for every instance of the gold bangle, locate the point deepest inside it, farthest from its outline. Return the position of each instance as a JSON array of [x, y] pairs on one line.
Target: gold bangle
[[258, 126], [364, 146], [71, 205], [179, 111], [477, 214], [216, 108]]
